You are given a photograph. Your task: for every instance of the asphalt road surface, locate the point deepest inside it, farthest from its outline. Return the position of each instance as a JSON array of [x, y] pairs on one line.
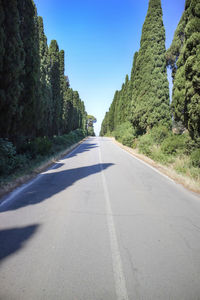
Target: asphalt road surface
[[100, 225]]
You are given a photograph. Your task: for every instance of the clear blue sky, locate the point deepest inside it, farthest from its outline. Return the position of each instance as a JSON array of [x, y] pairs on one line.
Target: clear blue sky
[[99, 38]]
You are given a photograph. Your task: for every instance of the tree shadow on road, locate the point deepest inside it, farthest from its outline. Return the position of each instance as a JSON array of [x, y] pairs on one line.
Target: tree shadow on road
[[12, 240], [85, 147], [51, 184]]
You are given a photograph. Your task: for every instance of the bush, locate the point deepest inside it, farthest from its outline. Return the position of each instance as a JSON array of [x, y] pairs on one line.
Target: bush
[[125, 134], [21, 161], [80, 133], [7, 156], [40, 146], [60, 140], [145, 144], [159, 134], [195, 158], [174, 144]]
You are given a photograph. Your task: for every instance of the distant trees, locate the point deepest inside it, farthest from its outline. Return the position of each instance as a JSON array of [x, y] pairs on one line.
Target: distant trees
[[35, 97], [144, 98], [90, 124]]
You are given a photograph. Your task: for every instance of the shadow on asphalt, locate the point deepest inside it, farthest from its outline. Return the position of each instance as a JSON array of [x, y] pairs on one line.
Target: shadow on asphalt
[[51, 184], [12, 240], [83, 148]]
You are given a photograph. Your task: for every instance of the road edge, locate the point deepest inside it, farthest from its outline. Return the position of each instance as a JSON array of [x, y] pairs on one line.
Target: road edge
[[27, 180], [163, 170]]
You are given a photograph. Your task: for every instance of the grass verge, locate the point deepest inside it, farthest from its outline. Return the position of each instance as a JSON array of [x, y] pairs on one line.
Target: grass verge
[[177, 168]]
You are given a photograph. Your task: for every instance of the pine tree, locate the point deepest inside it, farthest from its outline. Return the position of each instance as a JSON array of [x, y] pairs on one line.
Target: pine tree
[[184, 59], [11, 66], [150, 99], [55, 83]]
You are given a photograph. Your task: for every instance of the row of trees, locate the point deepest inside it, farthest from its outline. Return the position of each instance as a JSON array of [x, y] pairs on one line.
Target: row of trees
[[35, 97], [144, 98]]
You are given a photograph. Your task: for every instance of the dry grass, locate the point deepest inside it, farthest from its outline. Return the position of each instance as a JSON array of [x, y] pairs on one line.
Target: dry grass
[[177, 170]]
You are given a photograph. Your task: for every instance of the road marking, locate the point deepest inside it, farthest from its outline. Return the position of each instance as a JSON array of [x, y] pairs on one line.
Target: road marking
[[120, 283], [20, 189]]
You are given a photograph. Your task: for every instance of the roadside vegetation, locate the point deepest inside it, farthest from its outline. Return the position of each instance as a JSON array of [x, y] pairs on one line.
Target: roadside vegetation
[[141, 114], [33, 154], [174, 149]]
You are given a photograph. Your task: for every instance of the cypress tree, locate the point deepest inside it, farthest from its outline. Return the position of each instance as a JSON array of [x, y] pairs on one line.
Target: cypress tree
[[76, 112], [29, 103], [184, 58], [55, 83], [62, 81], [150, 99], [68, 110], [46, 104], [111, 114], [130, 89], [104, 125], [11, 66]]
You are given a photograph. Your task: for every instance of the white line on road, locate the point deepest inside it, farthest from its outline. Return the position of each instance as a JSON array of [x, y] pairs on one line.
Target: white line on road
[[120, 283]]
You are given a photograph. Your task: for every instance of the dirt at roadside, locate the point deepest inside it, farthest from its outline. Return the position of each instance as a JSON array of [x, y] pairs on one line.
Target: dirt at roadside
[[187, 182]]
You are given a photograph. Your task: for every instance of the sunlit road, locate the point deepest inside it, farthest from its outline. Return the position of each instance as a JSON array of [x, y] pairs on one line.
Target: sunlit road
[[100, 225]]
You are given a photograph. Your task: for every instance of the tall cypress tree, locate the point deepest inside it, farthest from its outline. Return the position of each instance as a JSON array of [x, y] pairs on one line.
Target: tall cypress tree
[[150, 99], [184, 58], [68, 110], [63, 85], [55, 83], [130, 89], [11, 66], [46, 104], [29, 102]]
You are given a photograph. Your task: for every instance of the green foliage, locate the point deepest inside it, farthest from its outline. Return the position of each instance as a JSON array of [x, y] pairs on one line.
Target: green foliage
[[159, 134], [40, 146], [174, 144], [184, 58], [144, 98], [145, 144], [12, 162], [150, 96], [12, 58], [195, 158], [55, 83], [46, 100], [7, 156], [125, 134]]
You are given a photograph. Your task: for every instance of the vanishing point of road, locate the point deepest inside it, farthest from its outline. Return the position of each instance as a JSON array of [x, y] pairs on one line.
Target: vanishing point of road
[[100, 225]]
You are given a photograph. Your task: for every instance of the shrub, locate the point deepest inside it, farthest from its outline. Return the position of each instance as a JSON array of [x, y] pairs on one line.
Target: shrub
[[80, 133], [7, 156], [195, 158], [41, 146], [145, 144], [60, 140], [159, 134], [21, 161], [173, 144], [125, 133]]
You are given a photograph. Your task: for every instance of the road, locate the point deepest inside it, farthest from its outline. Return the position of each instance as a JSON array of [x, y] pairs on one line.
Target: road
[[100, 225]]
